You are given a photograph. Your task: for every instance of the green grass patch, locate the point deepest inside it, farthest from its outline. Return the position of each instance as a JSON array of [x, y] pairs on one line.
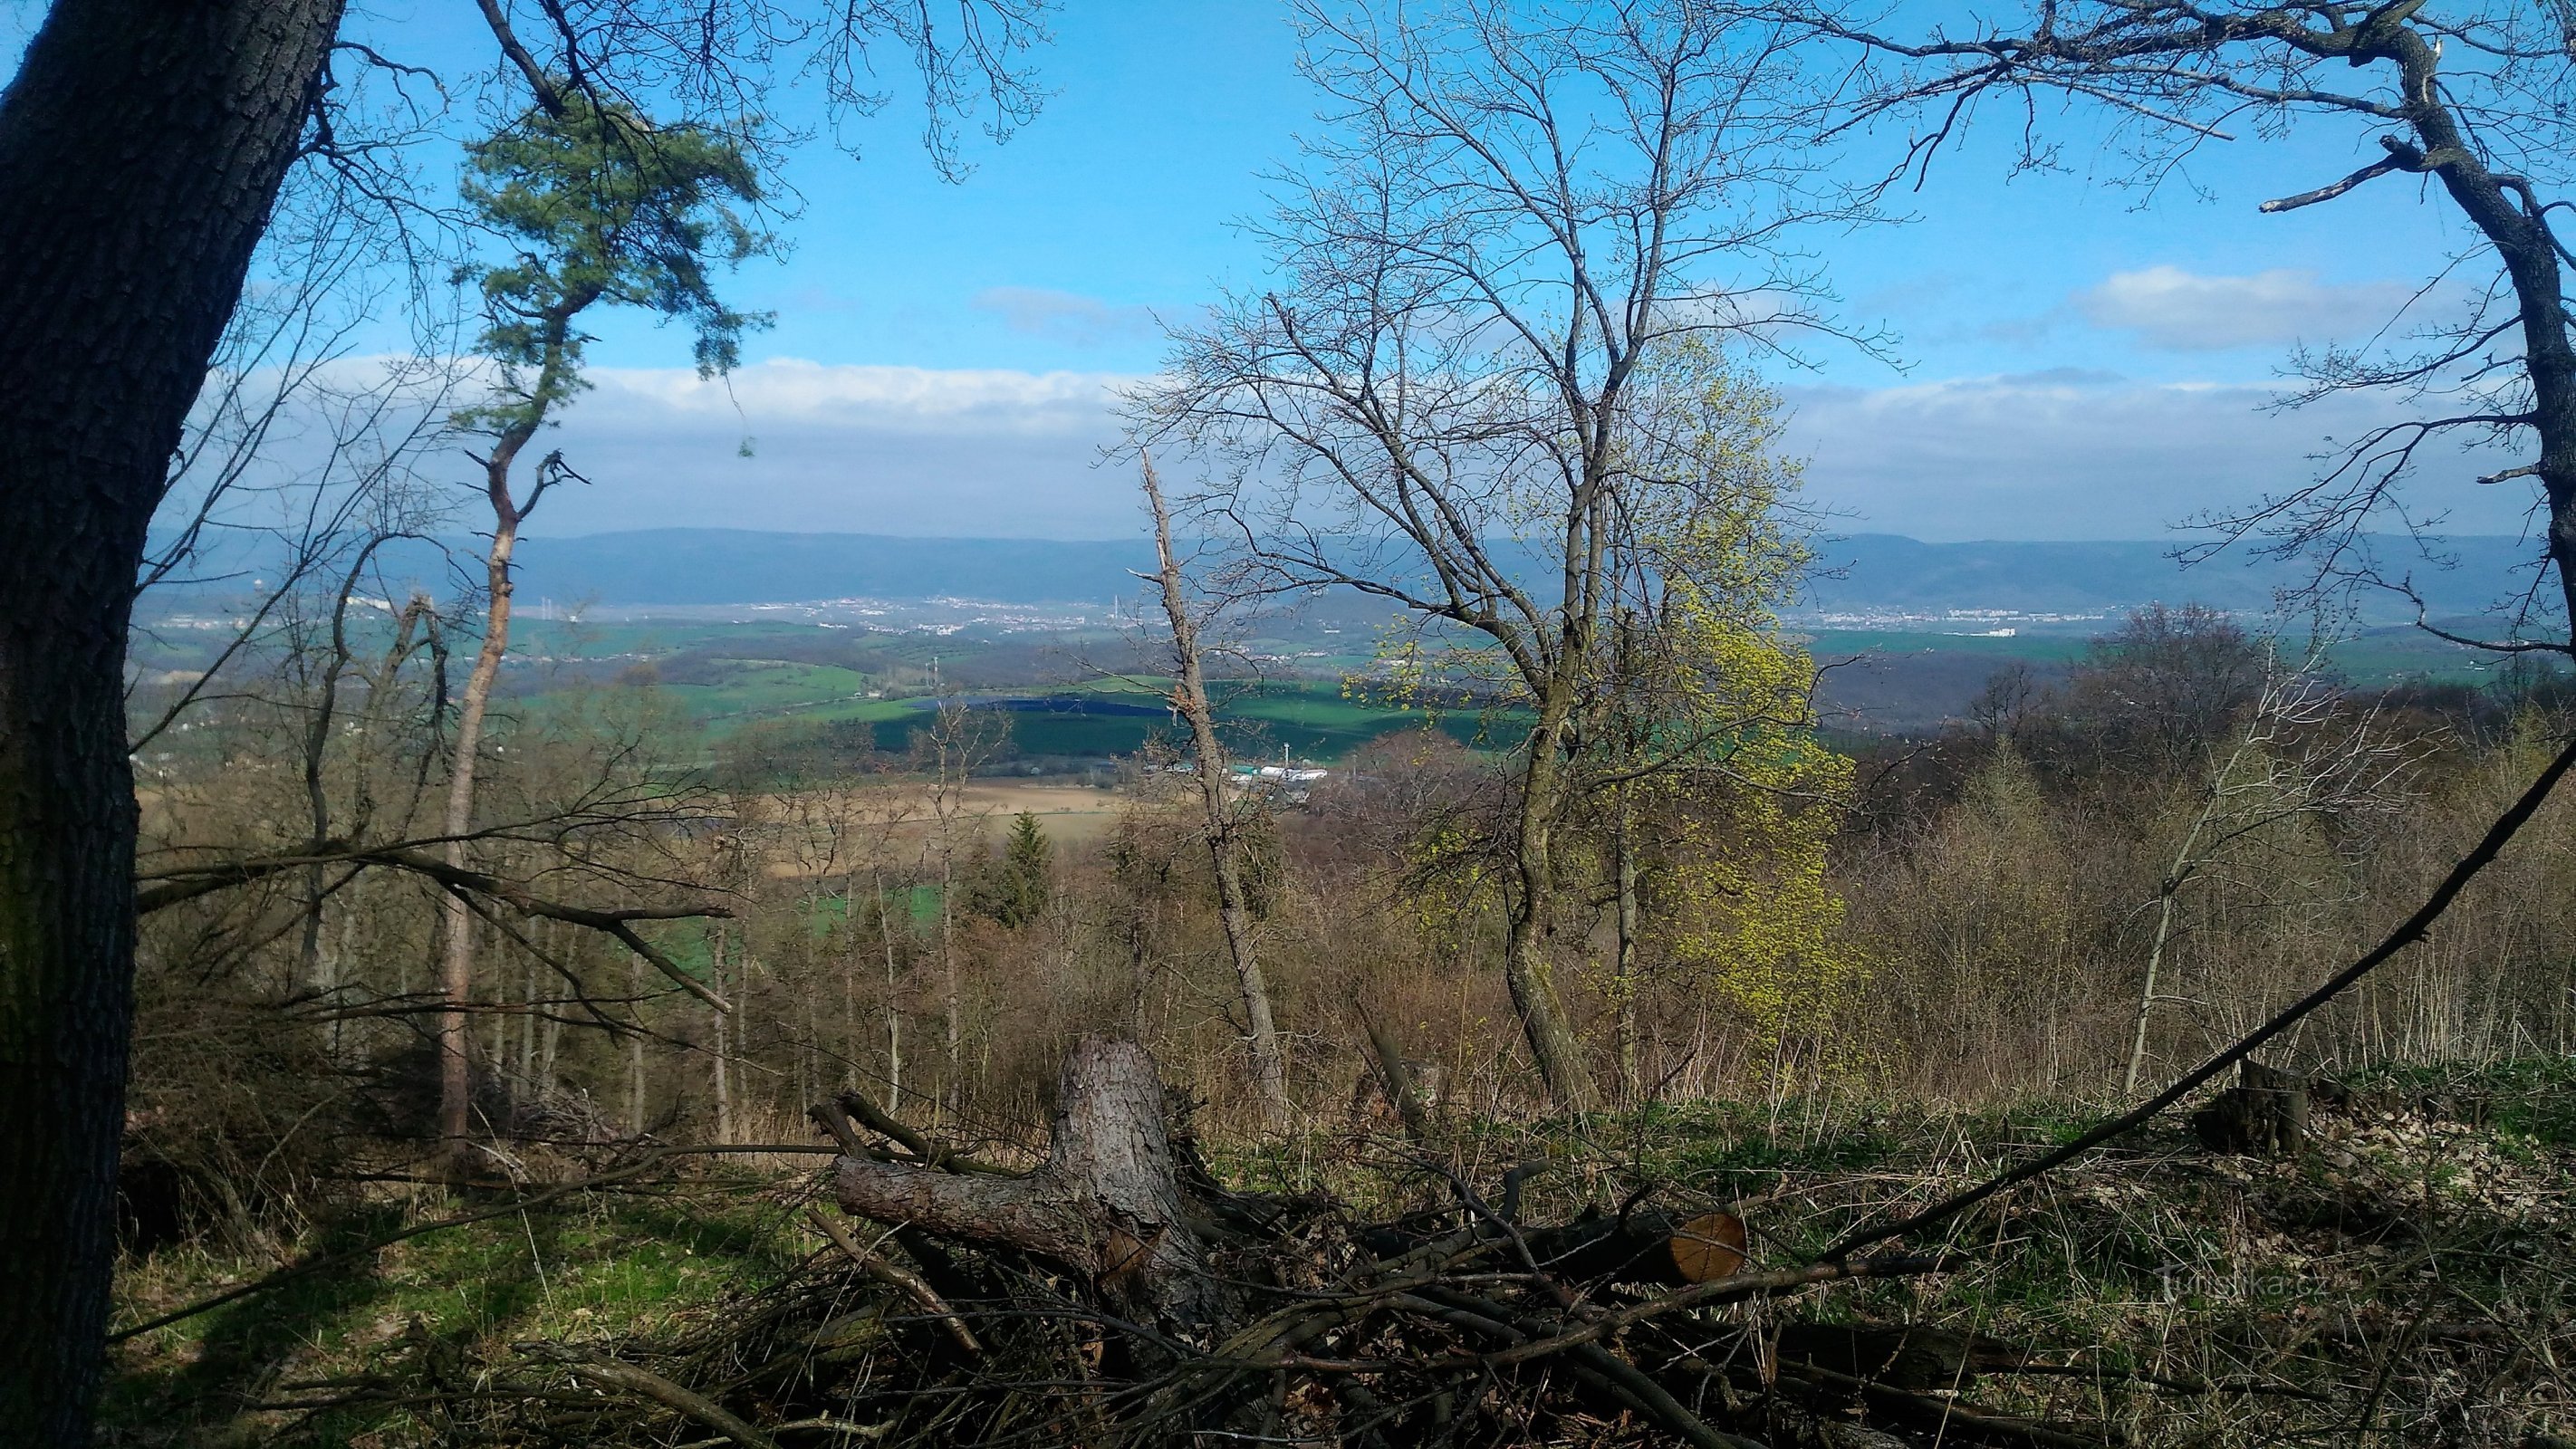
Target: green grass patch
[[605, 1269]]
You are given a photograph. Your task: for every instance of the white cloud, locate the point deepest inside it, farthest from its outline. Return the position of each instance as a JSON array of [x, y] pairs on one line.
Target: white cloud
[[2063, 454], [2077, 454], [910, 399], [2187, 312], [847, 449], [1065, 317]]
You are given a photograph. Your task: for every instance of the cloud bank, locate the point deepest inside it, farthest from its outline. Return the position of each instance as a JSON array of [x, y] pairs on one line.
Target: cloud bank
[[2182, 311], [2064, 454], [848, 449], [2074, 454]]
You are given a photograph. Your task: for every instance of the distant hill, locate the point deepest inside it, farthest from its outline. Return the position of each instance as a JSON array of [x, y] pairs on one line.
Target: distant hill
[[738, 566], [1860, 573], [1879, 572]]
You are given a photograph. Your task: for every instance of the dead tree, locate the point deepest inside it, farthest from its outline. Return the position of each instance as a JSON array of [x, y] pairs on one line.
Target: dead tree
[[1224, 827], [1238, 1314]]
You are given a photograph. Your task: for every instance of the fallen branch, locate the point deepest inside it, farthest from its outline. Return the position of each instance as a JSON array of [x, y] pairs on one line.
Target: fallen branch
[[1623, 1381], [1945, 1417], [1108, 1202], [899, 1278], [1716, 1290], [644, 1383], [876, 1119]]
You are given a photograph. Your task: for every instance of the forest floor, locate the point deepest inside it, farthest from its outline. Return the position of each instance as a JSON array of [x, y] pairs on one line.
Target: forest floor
[[2409, 1277]]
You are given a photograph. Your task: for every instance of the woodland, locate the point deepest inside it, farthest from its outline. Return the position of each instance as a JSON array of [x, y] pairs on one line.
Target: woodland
[[2174, 1050]]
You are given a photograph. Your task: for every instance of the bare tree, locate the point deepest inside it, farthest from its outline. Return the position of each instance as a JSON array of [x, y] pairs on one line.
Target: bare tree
[[959, 742], [1224, 823], [2298, 754], [2469, 94], [1511, 210]]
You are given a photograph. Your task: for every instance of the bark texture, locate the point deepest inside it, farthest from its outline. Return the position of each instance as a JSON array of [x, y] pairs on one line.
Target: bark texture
[[142, 145], [1529, 971], [456, 955], [1108, 1204]]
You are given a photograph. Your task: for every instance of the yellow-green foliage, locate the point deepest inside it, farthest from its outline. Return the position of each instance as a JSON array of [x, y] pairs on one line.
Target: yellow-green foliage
[[1695, 739], [1752, 798], [1749, 913]]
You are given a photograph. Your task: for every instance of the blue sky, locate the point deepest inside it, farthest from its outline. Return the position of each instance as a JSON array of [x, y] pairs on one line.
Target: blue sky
[[2076, 358]]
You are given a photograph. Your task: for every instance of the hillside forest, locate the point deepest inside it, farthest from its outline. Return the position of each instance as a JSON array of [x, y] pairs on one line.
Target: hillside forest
[[1485, 989]]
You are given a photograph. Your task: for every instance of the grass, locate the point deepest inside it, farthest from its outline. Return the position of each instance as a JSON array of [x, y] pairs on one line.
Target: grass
[[768, 688], [610, 1269]]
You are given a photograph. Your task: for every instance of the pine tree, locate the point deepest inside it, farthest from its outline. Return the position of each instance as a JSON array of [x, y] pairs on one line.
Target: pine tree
[[1016, 888]]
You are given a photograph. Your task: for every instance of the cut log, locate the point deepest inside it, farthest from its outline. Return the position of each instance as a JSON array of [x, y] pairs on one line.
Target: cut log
[[1709, 1247], [1641, 1246], [1108, 1203]]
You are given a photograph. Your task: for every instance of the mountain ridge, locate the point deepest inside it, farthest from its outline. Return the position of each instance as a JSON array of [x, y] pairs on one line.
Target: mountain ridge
[[1857, 574]]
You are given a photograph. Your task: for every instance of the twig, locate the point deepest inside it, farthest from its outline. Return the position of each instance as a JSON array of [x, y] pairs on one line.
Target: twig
[[878, 1120], [2178, 1386], [1716, 1290], [1945, 1416]]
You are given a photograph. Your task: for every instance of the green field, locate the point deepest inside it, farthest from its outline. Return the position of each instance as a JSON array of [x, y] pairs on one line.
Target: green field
[[835, 692], [1311, 719]]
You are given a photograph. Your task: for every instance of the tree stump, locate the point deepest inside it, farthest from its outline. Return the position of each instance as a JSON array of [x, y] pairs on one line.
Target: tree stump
[[2265, 1114], [1107, 1205]]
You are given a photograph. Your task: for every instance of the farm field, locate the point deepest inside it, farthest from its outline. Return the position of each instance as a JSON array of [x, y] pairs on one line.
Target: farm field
[[849, 690], [874, 691]]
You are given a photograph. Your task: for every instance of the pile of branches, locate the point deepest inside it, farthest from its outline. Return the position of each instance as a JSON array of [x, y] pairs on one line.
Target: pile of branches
[[1119, 1294]]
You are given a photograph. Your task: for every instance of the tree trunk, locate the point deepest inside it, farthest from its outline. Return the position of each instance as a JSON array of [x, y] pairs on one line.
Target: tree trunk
[[851, 1029], [716, 1020], [951, 993], [141, 147], [1108, 1204], [1234, 910], [456, 963], [2147, 987], [893, 1005], [2186, 863], [1527, 971], [1623, 971], [635, 1084]]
